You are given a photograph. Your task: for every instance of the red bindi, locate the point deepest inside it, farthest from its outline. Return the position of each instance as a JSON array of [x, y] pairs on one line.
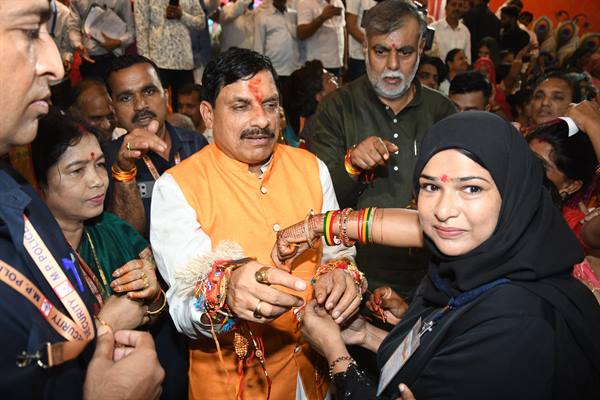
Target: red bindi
[[393, 46], [254, 89], [444, 178], [92, 156]]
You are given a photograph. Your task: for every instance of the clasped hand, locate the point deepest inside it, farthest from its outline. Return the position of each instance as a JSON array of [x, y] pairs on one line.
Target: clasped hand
[[335, 290]]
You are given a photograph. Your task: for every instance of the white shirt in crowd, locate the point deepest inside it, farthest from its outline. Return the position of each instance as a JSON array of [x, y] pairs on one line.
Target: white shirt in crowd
[[177, 237], [167, 42], [327, 43], [79, 12], [275, 36], [446, 38], [237, 25], [358, 8]]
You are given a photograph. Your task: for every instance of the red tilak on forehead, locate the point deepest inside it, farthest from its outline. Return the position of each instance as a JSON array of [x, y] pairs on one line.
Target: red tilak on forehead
[[254, 83], [92, 156], [444, 178], [393, 45]]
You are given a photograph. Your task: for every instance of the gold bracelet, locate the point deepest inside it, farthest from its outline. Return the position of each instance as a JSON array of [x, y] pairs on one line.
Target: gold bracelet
[[104, 323], [123, 176], [161, 308]]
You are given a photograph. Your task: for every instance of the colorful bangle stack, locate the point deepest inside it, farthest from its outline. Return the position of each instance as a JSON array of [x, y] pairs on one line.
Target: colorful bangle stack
[[350, 169], [211, 292], [365, 217], [123, 176], [330, 239], [347, 265]]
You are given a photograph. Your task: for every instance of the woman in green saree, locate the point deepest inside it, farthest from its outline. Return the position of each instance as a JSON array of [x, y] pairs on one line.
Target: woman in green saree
[[116, 260]]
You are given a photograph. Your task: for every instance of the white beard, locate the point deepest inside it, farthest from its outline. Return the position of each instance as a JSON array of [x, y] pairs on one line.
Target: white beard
[[384, 90]]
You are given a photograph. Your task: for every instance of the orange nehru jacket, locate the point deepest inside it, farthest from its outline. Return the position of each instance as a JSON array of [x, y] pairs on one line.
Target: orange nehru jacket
[[233, 204]]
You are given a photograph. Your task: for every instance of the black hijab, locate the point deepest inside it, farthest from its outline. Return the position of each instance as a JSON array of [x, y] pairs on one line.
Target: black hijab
[[532, 245]]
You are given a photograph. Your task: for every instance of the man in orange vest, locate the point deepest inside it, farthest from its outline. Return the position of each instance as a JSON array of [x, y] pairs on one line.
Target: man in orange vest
[[238, 193]]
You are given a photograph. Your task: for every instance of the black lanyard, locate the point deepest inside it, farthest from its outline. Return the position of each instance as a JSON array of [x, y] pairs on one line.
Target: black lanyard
[[456, 302]]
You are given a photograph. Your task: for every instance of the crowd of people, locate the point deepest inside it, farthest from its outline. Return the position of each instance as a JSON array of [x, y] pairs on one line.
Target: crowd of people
[[322, 199]]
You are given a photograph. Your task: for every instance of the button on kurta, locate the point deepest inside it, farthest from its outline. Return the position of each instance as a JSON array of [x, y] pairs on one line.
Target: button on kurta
[[395, 136], [263, 190], [276, 227], [396, 168]]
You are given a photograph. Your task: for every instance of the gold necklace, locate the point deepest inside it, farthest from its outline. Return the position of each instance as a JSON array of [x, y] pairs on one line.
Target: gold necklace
[[98, 266]]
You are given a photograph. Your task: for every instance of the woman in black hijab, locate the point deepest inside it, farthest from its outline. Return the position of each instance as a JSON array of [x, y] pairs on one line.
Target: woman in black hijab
[[498, 315]]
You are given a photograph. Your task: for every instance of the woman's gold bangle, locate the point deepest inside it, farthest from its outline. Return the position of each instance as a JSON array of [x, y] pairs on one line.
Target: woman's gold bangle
[[161, 308]]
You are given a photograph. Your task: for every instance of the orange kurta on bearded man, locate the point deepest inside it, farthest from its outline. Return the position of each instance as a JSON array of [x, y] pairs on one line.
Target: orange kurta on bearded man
[[233, 204]]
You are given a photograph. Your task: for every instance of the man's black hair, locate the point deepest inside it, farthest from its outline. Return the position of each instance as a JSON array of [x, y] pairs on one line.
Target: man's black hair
[[84, 85], [190, 88], [299, 99], [231, 66], [511, 11], [451, 55], [437, 63], [126, 61], [560, 75], [469, 82]]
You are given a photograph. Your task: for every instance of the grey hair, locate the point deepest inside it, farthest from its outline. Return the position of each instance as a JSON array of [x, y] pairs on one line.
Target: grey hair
[[389, 15]]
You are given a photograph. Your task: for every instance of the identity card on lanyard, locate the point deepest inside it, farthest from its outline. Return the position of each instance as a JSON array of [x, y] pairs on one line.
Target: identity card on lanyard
[[399, 357]]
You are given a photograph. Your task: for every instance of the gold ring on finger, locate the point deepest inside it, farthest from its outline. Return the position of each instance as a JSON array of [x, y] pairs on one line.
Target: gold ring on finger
[[262, 275], [146, 283], [128, 146], [257, 314]]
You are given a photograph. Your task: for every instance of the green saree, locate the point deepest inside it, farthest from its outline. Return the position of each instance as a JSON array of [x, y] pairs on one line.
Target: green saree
[[113, 243]]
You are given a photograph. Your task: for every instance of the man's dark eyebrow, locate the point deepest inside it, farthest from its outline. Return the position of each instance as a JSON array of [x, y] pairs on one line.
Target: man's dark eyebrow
[[379, 46], [150, 86], [125, 92], [240, 100], [275, 97]]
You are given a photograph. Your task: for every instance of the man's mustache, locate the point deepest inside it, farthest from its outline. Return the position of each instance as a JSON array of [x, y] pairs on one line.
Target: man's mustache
[[257, 132], [392, 75], [142, 114]]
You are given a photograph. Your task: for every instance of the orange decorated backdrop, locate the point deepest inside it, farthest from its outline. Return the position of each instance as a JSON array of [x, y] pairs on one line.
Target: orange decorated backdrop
[[549, 7]]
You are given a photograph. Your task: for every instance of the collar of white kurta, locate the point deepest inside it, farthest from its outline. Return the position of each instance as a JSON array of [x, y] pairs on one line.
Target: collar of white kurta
[[446, 26]]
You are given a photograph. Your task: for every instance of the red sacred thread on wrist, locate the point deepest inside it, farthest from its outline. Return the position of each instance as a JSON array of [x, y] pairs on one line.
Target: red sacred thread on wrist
[[350, 169], [361, 213]]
